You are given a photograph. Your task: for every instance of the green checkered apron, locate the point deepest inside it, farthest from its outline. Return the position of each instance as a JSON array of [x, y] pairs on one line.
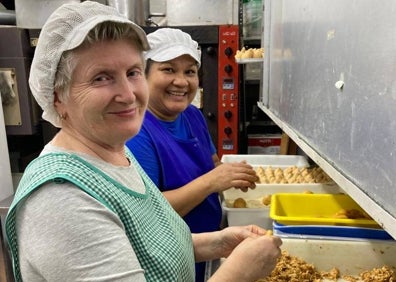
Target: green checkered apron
[[158, 235]]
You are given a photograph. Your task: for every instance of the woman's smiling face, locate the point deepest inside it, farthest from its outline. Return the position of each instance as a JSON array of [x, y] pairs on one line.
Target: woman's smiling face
[[108, 93], [172, 86]]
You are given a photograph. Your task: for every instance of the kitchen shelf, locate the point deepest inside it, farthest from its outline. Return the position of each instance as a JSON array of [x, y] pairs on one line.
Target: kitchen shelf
[[249, 60]]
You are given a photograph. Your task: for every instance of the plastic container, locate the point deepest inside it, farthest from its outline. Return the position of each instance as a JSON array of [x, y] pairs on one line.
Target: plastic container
[[246, 216], [329, 232], [261, 216], [281, 161], [266, 189], [316, 209]]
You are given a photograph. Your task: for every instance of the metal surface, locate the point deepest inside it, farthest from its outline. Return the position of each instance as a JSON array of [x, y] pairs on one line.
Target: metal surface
[[136, 10], [202, 12], [330, 81], [7, 17], [32, 14]]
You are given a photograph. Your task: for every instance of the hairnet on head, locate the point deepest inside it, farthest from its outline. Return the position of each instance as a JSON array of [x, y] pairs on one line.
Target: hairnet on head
[[66, 29], [169, 43]]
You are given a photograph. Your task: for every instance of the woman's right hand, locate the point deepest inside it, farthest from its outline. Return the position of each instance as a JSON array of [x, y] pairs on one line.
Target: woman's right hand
[[227, 175]]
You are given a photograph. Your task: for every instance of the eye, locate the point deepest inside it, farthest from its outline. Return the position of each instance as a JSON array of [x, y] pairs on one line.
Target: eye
[[134, 73], [168, 70], [191, 72], [101, 77]]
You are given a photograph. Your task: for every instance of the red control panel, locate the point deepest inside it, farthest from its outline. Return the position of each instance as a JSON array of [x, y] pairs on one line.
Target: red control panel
[[228, 90]]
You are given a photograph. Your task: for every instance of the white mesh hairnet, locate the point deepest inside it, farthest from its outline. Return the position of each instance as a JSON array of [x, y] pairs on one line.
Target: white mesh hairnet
[[169, 43], [65, 29]]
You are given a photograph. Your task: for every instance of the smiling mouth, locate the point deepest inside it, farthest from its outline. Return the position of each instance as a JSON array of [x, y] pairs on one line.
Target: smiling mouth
[[178, 94]]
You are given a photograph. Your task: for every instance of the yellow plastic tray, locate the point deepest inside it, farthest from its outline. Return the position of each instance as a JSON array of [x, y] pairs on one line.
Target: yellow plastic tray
[[311, 209]]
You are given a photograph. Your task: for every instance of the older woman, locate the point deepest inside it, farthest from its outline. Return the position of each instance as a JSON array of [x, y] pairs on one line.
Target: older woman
[[84, 209]]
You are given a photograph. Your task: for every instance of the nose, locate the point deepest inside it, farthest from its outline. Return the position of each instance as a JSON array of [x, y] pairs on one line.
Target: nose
[[180, 80], [125, 91]]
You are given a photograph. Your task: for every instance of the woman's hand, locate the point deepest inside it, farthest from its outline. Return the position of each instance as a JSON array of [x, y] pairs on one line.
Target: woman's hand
[[250, 253], [231, 237], [227, 175]]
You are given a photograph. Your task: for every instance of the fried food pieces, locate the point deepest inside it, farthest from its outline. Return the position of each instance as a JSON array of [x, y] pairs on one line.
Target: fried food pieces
[[239, 203], [250, 203], [351, 214], [294, 269], [249, 53], [291, 175]]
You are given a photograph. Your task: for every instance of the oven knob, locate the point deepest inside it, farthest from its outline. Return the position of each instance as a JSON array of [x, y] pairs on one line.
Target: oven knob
[[210, 50], [227, 114], [228, 68], [228, 130], [228, 51], [210, 116]]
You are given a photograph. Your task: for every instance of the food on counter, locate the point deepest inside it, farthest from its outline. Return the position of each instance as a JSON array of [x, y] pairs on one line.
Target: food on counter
[[291, 175], [294, 269], [382, 274], [261, 202], [266, 200], [239, 203], [249, 53]]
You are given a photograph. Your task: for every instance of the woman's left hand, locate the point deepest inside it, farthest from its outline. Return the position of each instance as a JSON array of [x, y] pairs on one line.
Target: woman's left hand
[[230, 237], [251, 254]]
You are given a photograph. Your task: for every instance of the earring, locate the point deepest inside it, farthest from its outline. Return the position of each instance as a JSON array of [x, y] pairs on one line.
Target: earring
[[62, 117]]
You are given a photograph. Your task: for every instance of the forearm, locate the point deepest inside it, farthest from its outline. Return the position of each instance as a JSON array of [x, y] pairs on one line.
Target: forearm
[[207, 246], [187, 197], [230, 272]]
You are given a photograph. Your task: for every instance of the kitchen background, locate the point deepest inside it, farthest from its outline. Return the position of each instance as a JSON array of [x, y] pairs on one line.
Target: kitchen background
[[327, 80]]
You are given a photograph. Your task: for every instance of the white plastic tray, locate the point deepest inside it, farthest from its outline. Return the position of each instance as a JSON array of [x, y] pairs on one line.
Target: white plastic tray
[[281, 161], [240, 217], [265, 189]]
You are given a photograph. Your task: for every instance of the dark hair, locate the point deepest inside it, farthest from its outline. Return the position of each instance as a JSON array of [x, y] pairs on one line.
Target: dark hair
[[149, 63]]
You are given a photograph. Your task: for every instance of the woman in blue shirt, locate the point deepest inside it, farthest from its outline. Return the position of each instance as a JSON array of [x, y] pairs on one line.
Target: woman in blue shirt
[[174, 146]]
